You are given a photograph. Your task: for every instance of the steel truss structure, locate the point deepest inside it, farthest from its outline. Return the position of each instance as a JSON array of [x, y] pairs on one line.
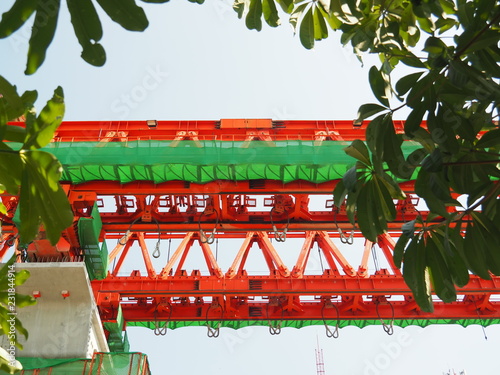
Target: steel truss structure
[[260, 215]]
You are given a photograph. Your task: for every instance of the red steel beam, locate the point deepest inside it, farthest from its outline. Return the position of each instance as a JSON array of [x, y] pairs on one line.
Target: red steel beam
[[230, 130], [189, 298]]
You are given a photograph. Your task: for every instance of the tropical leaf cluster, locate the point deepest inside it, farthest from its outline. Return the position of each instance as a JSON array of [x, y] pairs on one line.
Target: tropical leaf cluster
[[85, 21], [27, 171]]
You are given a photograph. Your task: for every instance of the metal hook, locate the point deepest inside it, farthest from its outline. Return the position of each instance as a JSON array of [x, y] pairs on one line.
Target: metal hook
[[329, 333], [10, 241], [389, 329], [211, 238], [274, 330], [343, 238], [279, 236], [214, 332], [156, 253], [161, 331]]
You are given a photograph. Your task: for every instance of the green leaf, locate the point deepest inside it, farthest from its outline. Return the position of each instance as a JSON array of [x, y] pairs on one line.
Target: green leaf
[[320, 29], [474, 252], [375, 133], [393, 154], [489, 139], [379, 86], [487, 38], [333, 21], [45, 24], [12, 102], [270, 13], [126, 13], [42, 198], [350, 179], [358, 150], [440, 275], [239, 7], [453, 251], [416, 275], [370, 222], [416, 157], [351, 202], [399, 250], [18, 14], [339, 193], [423, 189], [383, 200], [392, 186], [423, 137], [24, 300], [306, 30], [442, 131], [88, 30], [253, 19], [6, 364], [414, 119], [434, 161], [434, 46], [368, 110], [296, 15], [490, 233], [41, 131], [407, 82], [10, 170], [286, 5]]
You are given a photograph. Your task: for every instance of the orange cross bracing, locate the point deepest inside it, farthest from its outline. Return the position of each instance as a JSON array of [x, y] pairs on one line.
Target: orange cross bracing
[[241, 218]]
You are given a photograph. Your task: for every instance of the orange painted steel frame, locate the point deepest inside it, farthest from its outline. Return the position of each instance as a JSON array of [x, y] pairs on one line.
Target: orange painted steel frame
[[341, 292], [190, 212]]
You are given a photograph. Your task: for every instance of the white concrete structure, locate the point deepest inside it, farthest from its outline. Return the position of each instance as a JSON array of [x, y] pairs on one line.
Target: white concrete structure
[[59, 326]]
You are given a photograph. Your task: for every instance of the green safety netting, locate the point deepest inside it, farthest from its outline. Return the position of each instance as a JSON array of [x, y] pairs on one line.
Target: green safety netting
[[237, 324], [204, 161], [99, 364], [96, 254]]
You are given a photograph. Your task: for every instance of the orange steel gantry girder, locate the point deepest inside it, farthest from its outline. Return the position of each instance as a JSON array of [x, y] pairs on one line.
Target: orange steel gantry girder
[[267, 215]]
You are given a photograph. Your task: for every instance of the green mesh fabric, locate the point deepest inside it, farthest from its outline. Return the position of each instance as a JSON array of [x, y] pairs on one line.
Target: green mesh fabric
[[96, 255], [205, 161], [237, 324], [100, 364]]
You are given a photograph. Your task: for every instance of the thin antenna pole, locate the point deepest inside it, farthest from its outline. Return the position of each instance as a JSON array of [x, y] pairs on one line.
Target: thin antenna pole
[[320, 364]]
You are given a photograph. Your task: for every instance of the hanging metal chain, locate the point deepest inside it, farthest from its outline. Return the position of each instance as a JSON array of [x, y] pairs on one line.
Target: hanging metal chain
[[280, 236]]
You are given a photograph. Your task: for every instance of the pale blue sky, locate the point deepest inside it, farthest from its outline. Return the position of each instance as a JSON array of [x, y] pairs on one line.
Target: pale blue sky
[[200, 62]]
